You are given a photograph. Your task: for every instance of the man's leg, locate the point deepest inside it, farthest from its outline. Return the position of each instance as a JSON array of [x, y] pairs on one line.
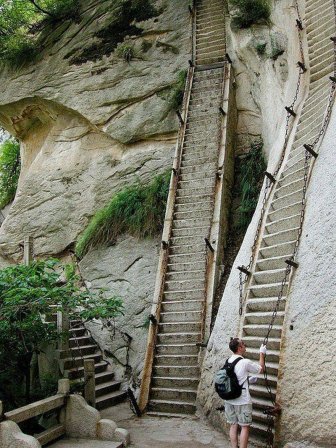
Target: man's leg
[[234, 435], [244, 436]]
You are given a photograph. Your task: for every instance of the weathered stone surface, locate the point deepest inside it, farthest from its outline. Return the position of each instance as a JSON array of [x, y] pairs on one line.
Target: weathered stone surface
[[11, 436], [80, 419], [106, 429], [263, 80], [89, 129], [123, 436], [127, 270]]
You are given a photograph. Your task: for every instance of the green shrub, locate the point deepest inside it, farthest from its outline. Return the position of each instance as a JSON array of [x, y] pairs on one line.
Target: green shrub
[[125, 51], [9, 170], [138, 210], [22, 22], [175, 99], [249, 12], [251, 175]]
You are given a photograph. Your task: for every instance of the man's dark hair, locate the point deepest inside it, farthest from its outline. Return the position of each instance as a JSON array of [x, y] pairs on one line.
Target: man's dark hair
[[234, 344]]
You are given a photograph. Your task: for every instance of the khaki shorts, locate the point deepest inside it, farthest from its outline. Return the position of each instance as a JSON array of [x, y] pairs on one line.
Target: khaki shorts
[[238, 413]]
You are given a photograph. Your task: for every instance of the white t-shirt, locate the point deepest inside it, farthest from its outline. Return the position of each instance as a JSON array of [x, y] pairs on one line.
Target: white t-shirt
[[243, 369]]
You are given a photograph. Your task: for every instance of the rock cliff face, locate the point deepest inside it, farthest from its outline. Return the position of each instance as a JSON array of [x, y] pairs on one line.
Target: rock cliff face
[[88, 128], [91, 123]]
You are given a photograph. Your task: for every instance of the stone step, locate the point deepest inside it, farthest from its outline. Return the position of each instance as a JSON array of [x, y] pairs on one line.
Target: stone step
[[182, 305], [107, 387], [291, 177], [104, 377], [80, 341], [183, 218], [165, 393], [280, 237], [185, 267], [174, 327], [188, 250], [189, 241], [171, 407], [170, 381], [264, 318], [110, 399], [265, 304], [70, 363], [193, 206], [259, 434], [192, 294], [199, 181], [270, 276], [203, 21], [191, 232], [261, 392], [187, 258], [176, 360], [286, 189], [255, 342], [181, 371], [185, 275], [78, 372], [189, 159], [190, 199], [277, 250], [265, 264], [272, 355], [77, 332], [259, 417], [261, 330], [177, 349], [288, 210], [261, 403], [208, 167], [270, 290], [286, 201], [81, 350], [184, 285], [283, 224], [181, 316], [178, 338]]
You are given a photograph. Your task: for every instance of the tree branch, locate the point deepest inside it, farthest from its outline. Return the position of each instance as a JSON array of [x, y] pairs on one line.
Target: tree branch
[[44, 11]]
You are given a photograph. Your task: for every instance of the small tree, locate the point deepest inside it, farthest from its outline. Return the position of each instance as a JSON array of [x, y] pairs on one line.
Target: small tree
[[10, 166], [248, 12], [26, 294]]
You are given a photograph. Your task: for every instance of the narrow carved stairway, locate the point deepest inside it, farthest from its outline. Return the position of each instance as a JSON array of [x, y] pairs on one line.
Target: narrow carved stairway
[[82, 347], [284, 214], [175, 372]]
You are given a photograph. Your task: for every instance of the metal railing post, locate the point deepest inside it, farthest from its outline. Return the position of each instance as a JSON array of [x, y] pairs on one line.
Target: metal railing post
[[28, 250]]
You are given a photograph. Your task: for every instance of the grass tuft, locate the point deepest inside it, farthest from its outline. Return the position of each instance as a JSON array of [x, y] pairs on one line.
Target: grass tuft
[[138, 210], [251, 174], [10, 167]]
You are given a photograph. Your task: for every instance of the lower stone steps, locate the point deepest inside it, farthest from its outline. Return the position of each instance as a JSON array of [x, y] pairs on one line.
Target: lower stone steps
[[171, 407]]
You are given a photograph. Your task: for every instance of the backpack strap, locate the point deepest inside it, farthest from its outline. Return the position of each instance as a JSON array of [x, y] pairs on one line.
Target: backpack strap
[[236, 361]]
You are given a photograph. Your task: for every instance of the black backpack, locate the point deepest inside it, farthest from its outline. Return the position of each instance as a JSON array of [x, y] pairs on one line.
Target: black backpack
[[226, 381]]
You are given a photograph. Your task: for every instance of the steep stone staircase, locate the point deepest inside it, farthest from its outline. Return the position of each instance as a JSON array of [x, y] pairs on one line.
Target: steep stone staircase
[[175, 373], [283, 216], [82, 347]]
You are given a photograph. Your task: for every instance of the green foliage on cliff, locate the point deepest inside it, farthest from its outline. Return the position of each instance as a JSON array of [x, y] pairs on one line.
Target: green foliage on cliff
[[251, 174], [138, 210], [176, 97], [9, 170], [26, 294], [21, 23], [249, 12]]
